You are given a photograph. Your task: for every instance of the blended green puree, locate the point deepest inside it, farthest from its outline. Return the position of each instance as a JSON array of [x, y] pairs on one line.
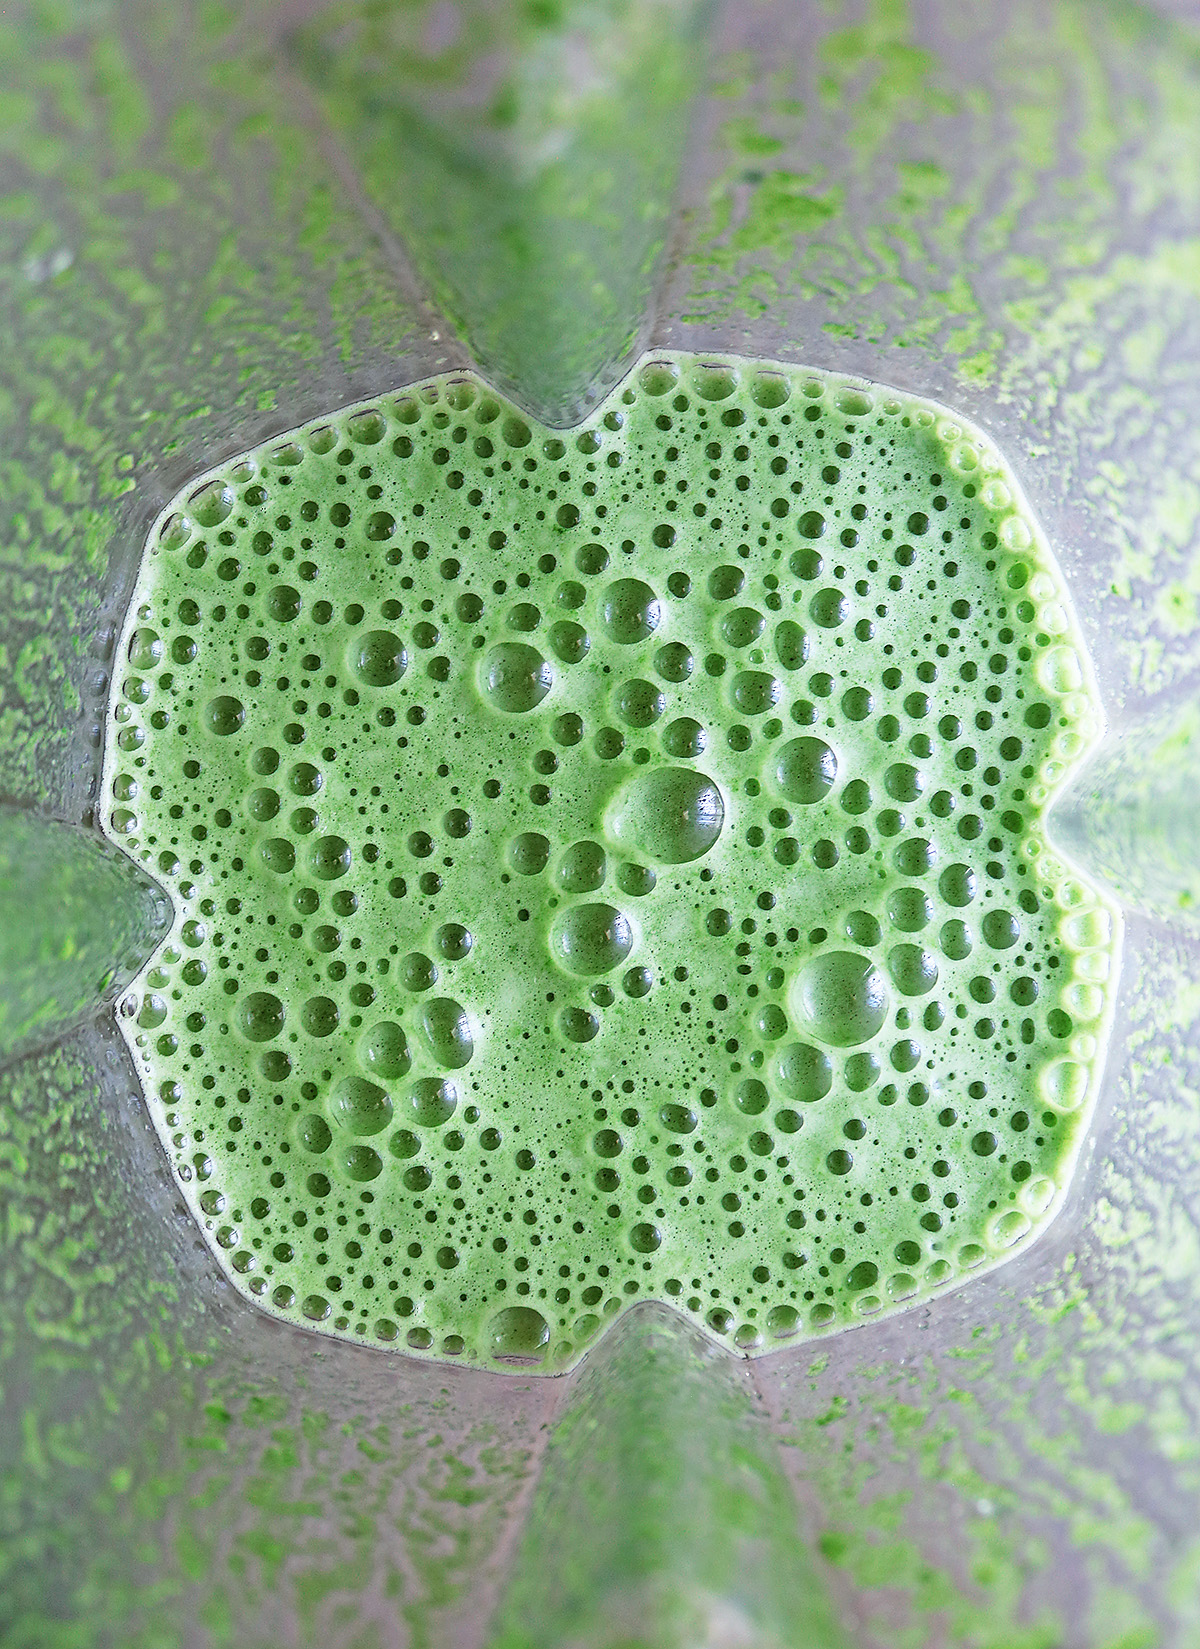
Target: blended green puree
[[610, 864]]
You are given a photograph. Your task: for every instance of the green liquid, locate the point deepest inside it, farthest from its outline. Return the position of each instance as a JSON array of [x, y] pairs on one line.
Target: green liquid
[[610, 864]]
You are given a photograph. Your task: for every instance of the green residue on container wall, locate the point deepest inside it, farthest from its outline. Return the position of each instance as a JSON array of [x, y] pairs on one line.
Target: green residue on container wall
[[165, 225], [528, 157], [661, 1517], [76, 923], [985, 216]]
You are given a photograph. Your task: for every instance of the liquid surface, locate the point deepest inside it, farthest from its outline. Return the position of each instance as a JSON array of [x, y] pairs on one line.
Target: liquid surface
[[609, 864]]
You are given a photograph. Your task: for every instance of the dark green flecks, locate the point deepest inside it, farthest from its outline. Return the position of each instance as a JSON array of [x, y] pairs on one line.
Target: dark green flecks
[[570, 969]]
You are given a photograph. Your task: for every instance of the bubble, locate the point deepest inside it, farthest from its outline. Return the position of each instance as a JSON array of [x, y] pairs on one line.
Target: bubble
[[283, 603], [591, 939], [678, 1119], [955, 940], [640, 703], [319, 1016], [842, 997], [805, 770], [829, 608], [751, 1097], [672, 815], [915, 857], [383, 1050], [518, 1334], [361, 1163], [528, 853], [956, 885], [645, 1238], [569, 641], [803, 1073], [262, 805], [630, 611], [432, 1101], [361, 1107], [754, 692], [261, 1016], [909, 908], [791, 644], [578, 1025], [684, 737], [582, 868], [453, 941], [515, 677], [1000, 929], [378, 658], [726, 582], [674, 662], [913, 971], [1063, 1084], [446, 1031], [224, 715], [328, 858], [902, 782], [742, 627], [145, 649], [278, 855]]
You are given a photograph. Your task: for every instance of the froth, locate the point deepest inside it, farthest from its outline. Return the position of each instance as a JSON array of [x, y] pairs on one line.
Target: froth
[[609, 865]]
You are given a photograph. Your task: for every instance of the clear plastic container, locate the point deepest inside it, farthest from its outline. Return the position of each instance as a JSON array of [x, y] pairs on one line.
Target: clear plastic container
[[206, 245]]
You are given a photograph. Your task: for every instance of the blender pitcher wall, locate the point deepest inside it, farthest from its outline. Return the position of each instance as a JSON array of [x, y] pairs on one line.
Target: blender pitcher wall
[[992, 207]]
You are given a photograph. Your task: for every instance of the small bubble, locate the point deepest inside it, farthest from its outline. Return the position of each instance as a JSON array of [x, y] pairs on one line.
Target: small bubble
[[518, 1334], [432, 1101], [446, 1031], [913, 971], [261, 1016], [578, 1025], [956, 885], [1000, 929], [328, 858], [640, 703], [791, 644], [319, 1016], [278, 855], [283, 603], [417, 971], [360, 1106], [582, 868], [515, 677], [383, 1050], [829, 608], [841, 996], [672, 815], [378, 658], [592, 939], [805, 770], [630, 611], [361, 1163], [754, 692], [528, 853], [803, 1073], [742, 627], [674, 662], [145, 649], [225, 715]]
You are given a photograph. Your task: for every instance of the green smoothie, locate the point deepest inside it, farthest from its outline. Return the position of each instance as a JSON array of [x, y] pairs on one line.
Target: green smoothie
[[610, 864]]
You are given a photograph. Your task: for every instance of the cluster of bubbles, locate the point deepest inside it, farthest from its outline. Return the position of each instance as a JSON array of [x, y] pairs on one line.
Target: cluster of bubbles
[[610, 864]]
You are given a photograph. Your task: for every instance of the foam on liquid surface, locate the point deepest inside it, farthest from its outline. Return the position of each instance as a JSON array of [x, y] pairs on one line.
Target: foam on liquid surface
[[610, 864]]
